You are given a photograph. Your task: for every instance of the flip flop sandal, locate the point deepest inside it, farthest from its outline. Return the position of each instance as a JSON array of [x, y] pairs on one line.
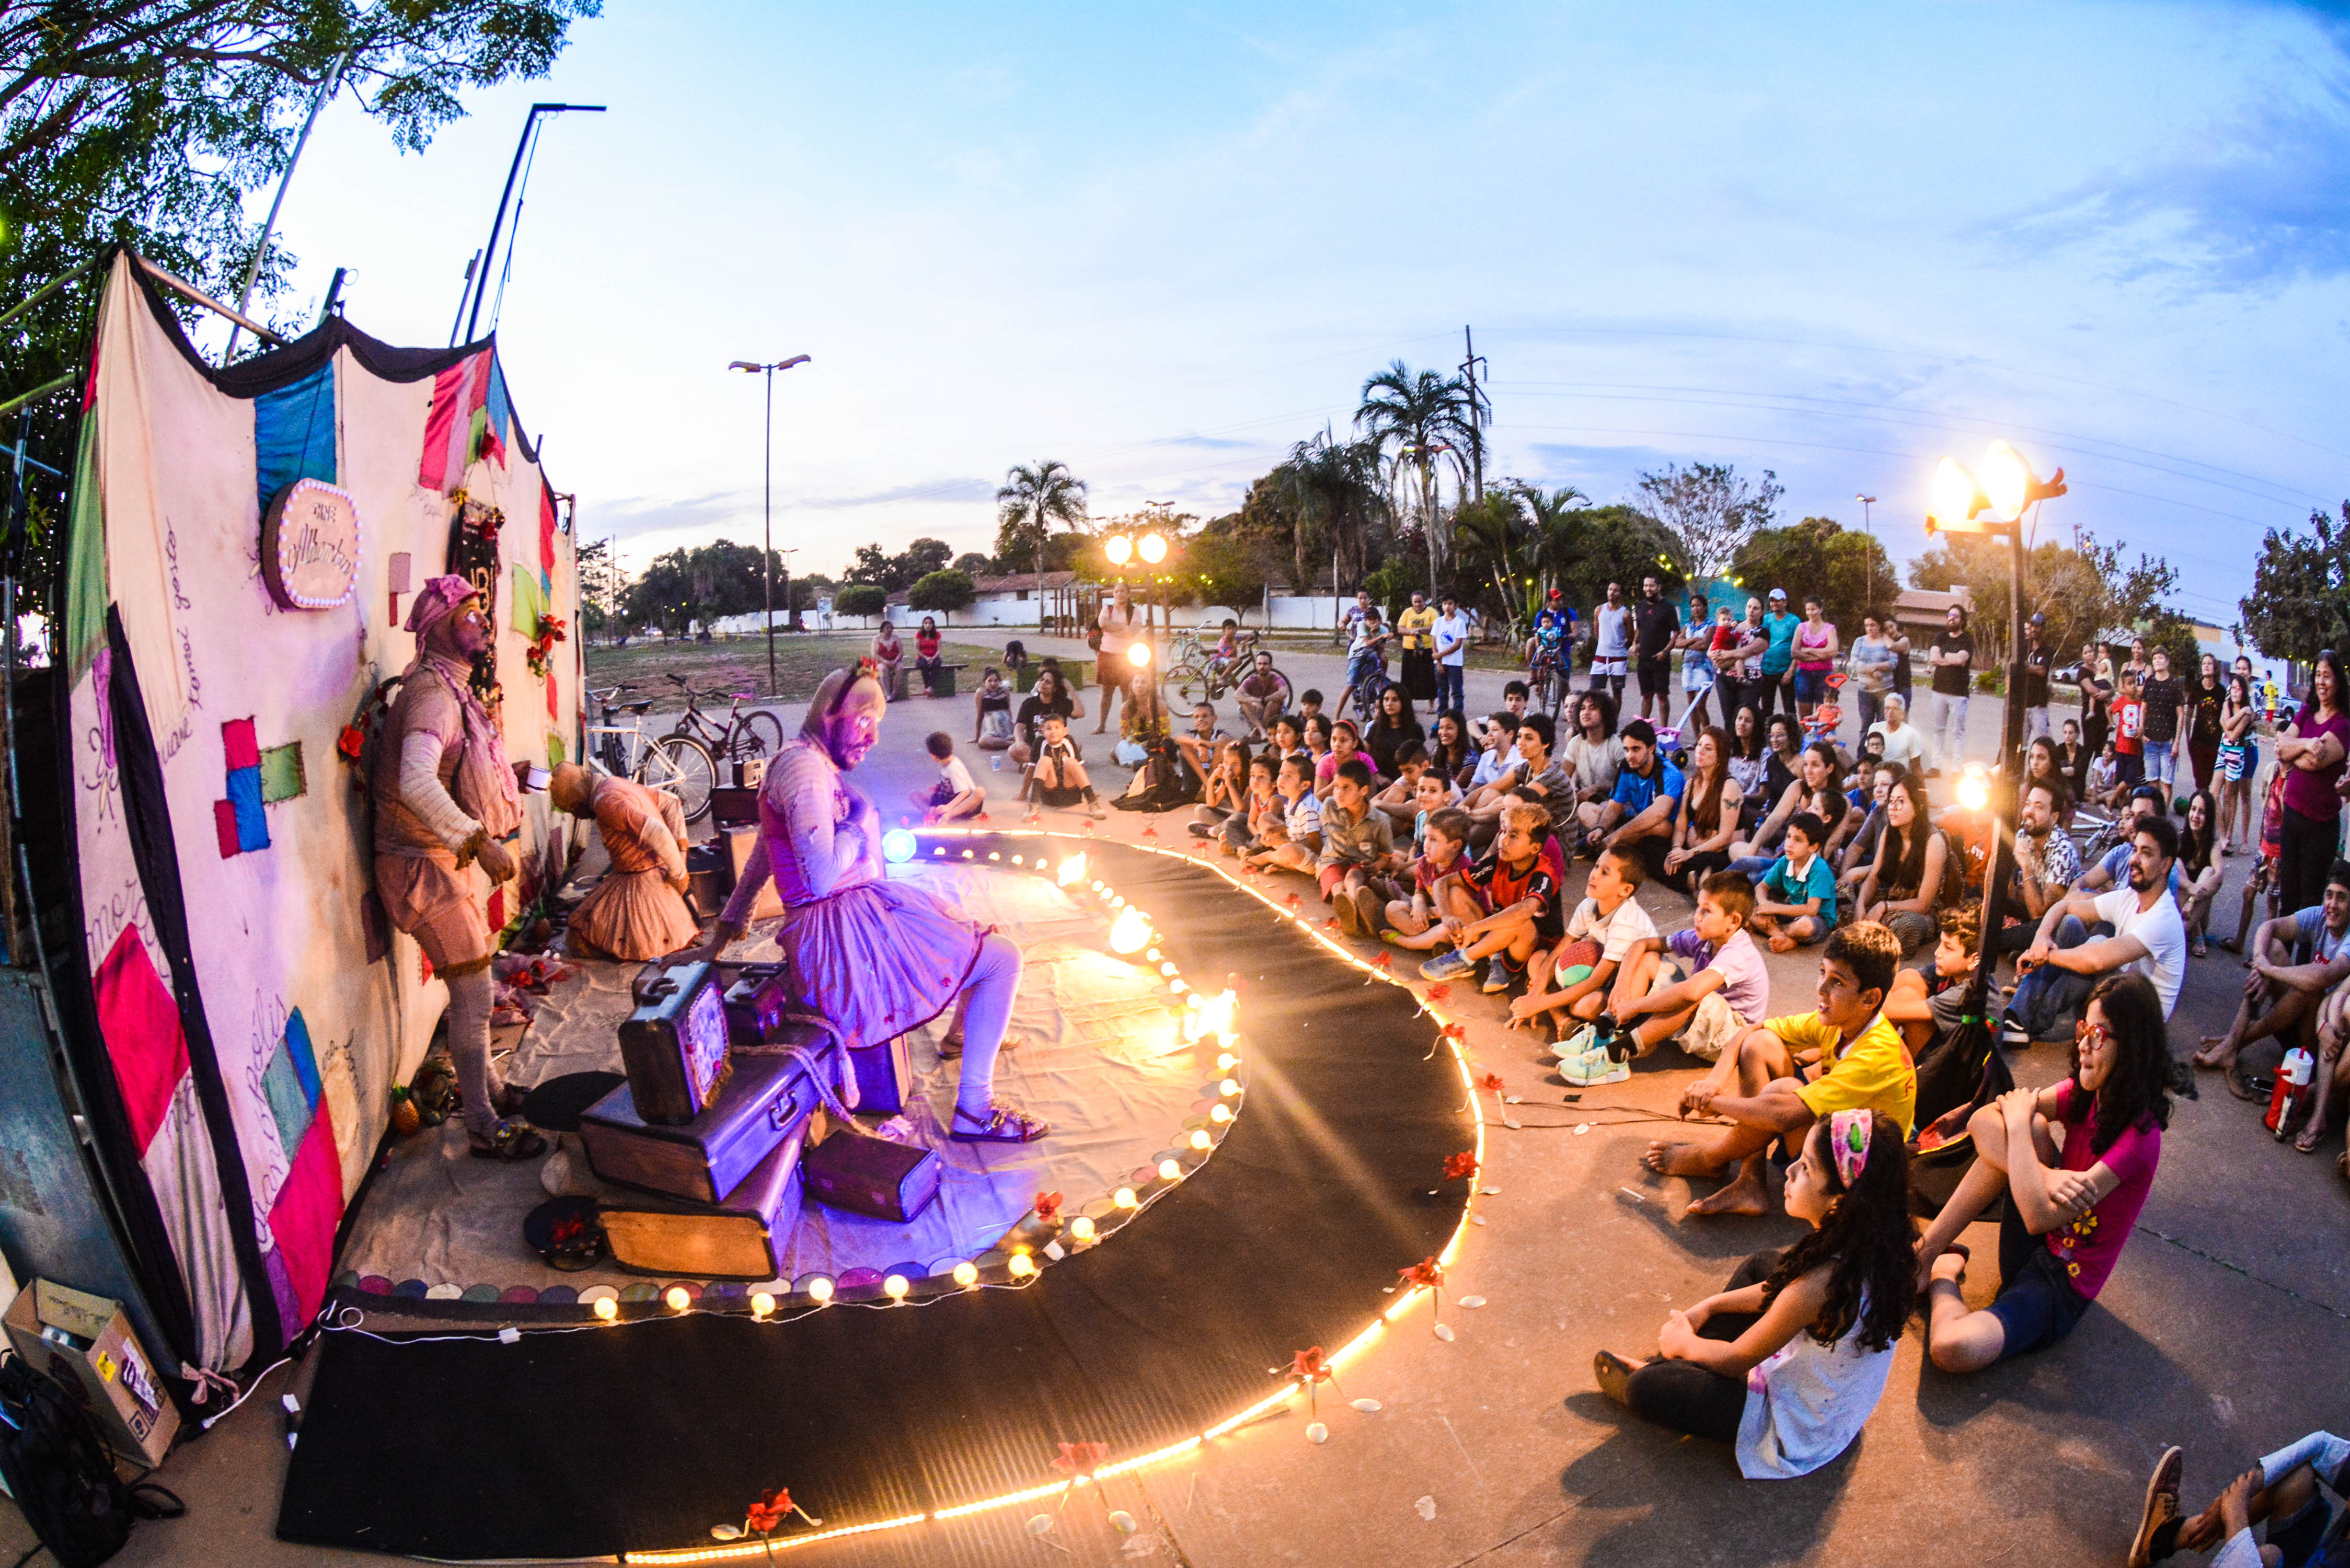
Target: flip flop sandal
[[2239, 1085], [1614, 1375], [511, 1141], [1004, 1124]]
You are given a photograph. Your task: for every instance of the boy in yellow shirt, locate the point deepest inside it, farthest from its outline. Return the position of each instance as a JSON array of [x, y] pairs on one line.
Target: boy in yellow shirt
[[1787, 1073]]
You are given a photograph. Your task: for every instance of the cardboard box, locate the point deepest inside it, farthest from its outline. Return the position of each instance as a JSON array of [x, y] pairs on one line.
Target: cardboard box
[[85, 1342]]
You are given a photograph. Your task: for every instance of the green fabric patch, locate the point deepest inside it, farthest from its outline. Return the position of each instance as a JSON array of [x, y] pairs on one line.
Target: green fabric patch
[[281, 1083], [555, 752], [86, 555], [282, 777], [529, 601]]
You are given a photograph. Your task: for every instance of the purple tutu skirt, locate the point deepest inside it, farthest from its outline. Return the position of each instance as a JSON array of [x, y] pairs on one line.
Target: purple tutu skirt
[[877, 959]]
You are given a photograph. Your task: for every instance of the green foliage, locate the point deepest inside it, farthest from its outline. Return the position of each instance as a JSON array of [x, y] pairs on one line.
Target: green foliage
[[1391, 582], [702, 583], [2300, 600], [971, 563], [1849, 571], [944, 591], [897, 572], [1029, 504], [1708, 512], [2084, 592], [1224, 567], [861, 598], [601, 583], [1617, 545]]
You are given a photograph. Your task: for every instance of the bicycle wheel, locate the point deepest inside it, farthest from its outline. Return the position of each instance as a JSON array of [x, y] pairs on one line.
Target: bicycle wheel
[[759, 734], [681, 765], [1190, 683]]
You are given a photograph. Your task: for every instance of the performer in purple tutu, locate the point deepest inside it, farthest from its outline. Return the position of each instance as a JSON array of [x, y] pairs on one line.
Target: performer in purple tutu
[[874, 957]]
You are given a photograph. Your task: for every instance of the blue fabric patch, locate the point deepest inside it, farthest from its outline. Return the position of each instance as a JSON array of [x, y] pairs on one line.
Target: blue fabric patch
[[287, 1103], [306, 1061], [500, 411], [245, 799], [294, 433]]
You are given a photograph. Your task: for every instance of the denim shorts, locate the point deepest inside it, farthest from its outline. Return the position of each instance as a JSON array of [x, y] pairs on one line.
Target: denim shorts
[[2305, 1540], [1811, 685], [1362, 668], [2039, 1306], [2161, 759]]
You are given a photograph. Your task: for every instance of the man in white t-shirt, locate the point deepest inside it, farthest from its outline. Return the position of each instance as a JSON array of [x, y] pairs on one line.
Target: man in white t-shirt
[[1451, 631], [2148, 937], [956, 797], [1611, 649]]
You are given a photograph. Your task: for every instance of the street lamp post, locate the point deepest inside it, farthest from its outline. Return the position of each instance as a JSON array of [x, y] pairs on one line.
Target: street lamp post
[[1121, 547], [2006, 491], [767, 504], [1868, 563]]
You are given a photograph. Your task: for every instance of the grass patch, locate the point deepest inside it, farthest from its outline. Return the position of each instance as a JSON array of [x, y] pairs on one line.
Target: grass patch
[[802, 661]]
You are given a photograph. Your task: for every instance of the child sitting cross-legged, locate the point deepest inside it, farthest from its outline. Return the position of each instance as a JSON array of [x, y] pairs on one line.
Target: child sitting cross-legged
[[1505, 908], [1356, 848], [1925, 1003], [1607, 956], [1412, 922], [1711, 984], [1795, 902], [1295, 843]]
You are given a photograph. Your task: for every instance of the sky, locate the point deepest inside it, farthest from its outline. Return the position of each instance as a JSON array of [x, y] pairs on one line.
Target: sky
[[1162, 244]]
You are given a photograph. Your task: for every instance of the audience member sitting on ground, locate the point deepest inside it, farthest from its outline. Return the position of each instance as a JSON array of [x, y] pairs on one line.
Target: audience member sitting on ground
[[1198, 744], [2047, 862], [1316, 736], [2200, 871], [2105, 786], [1497, 751], [1786, 1073], [1058, 779], [1702, 834], [1750, 758], [1536, 775], [1309, 704], [1288, 738], [2285, 991], [1788, 1363], [990, 723], [1053, 695], [1260, 694], [1818, 788], [1795, 903], [2281, 1491], [1505, 906], [1296, 844], [1357, 846], [2070, 1209], [956, 797], [1903, 741], [1413, 922], [1606, 959], [1641, 811], [1860, 850], [1346, 745], [1927, 1004], [2041, 762], [1911, 879], [2263, 883], [2112, 869], [1590, 751], [2330, 1087], [1782, 758], [1711, 984], [1452, 751], [1399, 801], [2065, 960], [1393, 727], [1223, 793], [1261, 806]]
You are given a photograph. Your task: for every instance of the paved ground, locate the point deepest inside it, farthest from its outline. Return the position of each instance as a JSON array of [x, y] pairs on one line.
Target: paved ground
[[2225, 1328]]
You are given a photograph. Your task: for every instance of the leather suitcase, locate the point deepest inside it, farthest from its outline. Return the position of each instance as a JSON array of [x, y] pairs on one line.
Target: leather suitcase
[[674, 1047], [729, 807], [872, 1176], [744, 1237], [755, 1004], [765, 1100], [741, 840]]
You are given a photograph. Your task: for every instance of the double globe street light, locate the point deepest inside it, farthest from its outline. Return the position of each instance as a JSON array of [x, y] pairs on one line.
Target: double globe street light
[[1123, 548]]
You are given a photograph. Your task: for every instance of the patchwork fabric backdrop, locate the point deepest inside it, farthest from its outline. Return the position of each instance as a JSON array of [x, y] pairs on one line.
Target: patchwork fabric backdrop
[[252, 1007]]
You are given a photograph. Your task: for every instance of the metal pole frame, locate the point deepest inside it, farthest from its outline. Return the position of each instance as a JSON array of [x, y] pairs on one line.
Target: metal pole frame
[[767, 532], [2007, 795]]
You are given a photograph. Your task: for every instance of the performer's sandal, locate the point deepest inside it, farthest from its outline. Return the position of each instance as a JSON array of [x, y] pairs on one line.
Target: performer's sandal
[[509, 1142], [1002, 1124]]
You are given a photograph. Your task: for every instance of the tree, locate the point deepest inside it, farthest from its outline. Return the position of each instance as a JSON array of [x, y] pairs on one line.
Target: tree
[[1223, 566], [1709, 513], [1333, 492], [1029, 502], [601, 584], [1849, 572], [1421, 415], [971, 563], [944, 592], [2300, 601], [902, 571], [1615, 545], [150, 121], [707, 583], [861, 598], [2084, 592]]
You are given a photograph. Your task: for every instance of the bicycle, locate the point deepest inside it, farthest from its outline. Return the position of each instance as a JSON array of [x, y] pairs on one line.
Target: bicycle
[[1546, 682], [677, 765], [1199, 673], [743, 736]]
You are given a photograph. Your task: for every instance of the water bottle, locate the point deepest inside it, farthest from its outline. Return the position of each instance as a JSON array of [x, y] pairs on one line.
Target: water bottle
[[2293, 1075]]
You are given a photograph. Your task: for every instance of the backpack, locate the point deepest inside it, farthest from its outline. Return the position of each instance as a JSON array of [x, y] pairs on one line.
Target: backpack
[[62, 1473]]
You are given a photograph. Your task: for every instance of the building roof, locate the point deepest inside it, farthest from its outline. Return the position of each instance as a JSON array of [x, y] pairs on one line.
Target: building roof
[[1923, 606], [1018, 582]]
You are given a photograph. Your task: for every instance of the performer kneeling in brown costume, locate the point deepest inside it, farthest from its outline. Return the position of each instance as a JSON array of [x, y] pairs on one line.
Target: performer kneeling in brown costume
[[444, 798], [637, 911]]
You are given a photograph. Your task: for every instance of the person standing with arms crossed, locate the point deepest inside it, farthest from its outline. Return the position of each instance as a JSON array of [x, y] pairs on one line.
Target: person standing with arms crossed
[[1611, 647], [1952, 658], [1657, 627], [1779, 659], [1452, 633]]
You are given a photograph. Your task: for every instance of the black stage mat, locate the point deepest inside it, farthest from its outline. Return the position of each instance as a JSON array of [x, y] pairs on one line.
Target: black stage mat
[[643, 1436]]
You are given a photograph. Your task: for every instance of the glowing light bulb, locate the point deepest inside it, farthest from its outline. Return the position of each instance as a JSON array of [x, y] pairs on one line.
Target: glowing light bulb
[[1081, 1229], [1097, 887], [1124, 1198], [1139, 655], [993, 855], [1118, 548], [1226, 1062], [1974, 789], [1130, 932], [1200, 1138], [1167, 970], [762, 1305], [1151, 956], [1153, 548], [1072, 871], [676, 1298], [819, 1289], [2007, 480], [1177, 987], [1015, 860], [895, 1287], [606, 1308], [897, 847], [1216, 1114], [1216, 1015], [1169, 1170], [1192, 1000], [1230, 1085], [966, 1274], [1021, 1266]]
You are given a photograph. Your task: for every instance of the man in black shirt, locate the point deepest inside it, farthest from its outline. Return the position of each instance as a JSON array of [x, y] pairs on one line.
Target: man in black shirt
[[1952, 658], [1656, 622], [2036, 678], [2163, 697]]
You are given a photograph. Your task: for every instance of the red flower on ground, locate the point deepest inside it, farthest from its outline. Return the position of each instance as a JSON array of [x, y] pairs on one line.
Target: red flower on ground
[[1048, 1207], [1457, 1166], [1295, 902], [1490, 1083], [1427, 1272], [1331, 924], [1307, 1365], [1439, 993], [1456, 1031], [768, 1512], [1380, 961], [1081, 1459]]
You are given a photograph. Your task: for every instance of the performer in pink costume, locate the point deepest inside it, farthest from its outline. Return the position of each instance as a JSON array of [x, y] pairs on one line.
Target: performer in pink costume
[[875, 957]]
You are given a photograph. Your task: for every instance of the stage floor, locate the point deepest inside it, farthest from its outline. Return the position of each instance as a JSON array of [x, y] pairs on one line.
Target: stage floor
[[1097, 1051]]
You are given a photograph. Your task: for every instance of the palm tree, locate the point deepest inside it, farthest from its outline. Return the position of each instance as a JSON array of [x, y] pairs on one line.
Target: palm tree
[[1034, 499], [1558, 531], [1335, 486], [1420, 415]]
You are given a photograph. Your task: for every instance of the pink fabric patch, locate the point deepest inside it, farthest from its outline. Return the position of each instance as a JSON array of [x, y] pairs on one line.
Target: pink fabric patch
[[237, 739], [303, 1220], [546, 526], [225, 825], [140, 1020]]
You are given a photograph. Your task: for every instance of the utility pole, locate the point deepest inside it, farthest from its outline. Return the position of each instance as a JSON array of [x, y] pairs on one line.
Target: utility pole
[[1476, 416]]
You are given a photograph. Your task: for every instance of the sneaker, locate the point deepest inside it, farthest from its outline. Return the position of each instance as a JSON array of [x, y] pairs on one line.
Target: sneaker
[[1447, 966], [1499, 972], [1201, 829], [1349, 918], [2157, 1526], [1592, 1067]]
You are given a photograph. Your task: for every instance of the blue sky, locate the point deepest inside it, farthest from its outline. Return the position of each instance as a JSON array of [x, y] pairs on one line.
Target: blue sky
[[1162, 244]]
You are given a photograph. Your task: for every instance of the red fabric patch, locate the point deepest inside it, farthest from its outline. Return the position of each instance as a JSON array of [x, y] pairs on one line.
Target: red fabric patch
[[139, 1022], [550, 698], [225, 825], [498, 907], [546, 526], [237, 740], [303, 1220]]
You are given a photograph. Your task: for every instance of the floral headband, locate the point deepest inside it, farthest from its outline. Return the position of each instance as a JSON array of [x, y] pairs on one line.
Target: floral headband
[[1848, 1142], [867, 668]]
